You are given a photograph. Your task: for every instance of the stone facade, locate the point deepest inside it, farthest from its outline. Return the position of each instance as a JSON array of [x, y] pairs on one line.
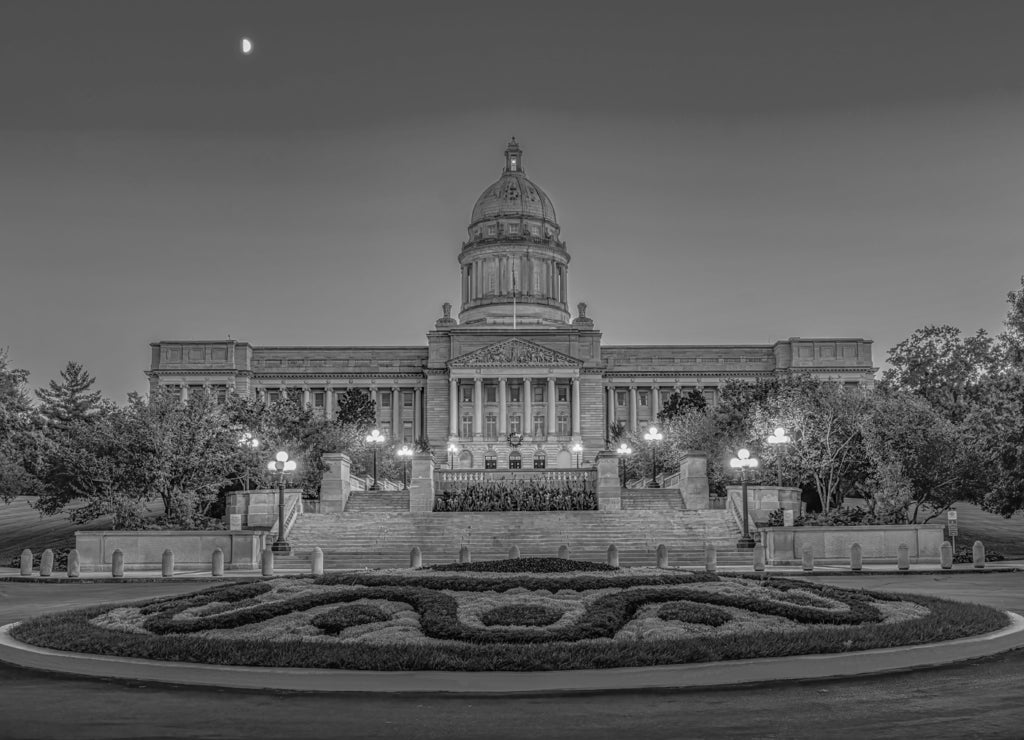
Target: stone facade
[[514, 380]]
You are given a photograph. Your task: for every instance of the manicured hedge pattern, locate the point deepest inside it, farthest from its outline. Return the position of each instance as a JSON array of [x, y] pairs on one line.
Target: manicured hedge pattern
[[525, 565], [521, 615], [337, 620], [685, 611]]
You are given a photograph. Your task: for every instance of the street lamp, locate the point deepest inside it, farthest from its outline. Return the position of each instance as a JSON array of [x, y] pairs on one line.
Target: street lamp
[[578, 449], [375, 439], [780, 439], [250, 442], [452, 449], [405, 452], [622, 452], [654, 436], [745, 464], [282, 466]]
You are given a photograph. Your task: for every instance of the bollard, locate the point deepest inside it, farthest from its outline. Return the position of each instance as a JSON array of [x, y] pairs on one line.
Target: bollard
[[759, 557], [217, 565], [710, 558], [808, 558], [613, 556], [464, 556], [117, 564], [167, 564], [46, 563], [662, 555], [26, 562], [316, 561], [978, 553], [513, 553], [415, 558], [267, 562], [563, 552], [903, 557], [946, 556], [856, 557], [74, 564]]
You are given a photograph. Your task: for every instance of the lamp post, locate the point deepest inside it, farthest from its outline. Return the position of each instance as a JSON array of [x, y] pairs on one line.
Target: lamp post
[[249, 442], [654, 436], [452, 449], [622, 452], [780, 439], [282, 466], [405, 452], [745, 464], [578, 449], [375, 439]]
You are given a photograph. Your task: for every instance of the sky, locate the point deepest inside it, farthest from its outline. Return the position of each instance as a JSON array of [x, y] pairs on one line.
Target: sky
[[723, 172]]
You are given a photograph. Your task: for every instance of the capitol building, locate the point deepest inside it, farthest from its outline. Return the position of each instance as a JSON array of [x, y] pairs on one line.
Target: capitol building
[[514, 379]]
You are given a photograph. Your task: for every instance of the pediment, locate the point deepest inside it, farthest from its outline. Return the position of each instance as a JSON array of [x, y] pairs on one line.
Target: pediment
[[514, 353]]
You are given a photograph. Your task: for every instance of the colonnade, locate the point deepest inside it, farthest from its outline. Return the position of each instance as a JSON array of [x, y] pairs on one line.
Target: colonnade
[[503, 429]]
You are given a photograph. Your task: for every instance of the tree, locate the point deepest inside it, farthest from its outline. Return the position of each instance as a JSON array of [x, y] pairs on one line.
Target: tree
[[70, 399], [998, 428], [20, 441], [356, 407], [1013, 336], [679, 404]]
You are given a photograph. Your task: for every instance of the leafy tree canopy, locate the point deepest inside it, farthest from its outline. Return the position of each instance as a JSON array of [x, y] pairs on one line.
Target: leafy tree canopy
[[70, 399]]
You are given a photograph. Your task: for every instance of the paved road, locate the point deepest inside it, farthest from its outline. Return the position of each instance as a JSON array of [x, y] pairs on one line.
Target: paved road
[[984, 699]]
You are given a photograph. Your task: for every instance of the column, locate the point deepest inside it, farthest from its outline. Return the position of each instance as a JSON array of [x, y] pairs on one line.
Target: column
[[575, 407], [478, 406], [453, 407], [417, 414], [329, 403], [527, 408], [552, 427], [396, 415], [655, 403], [305, 395], [502, 408], [632, 408], [611, 408], [463, 283], [184, 391]]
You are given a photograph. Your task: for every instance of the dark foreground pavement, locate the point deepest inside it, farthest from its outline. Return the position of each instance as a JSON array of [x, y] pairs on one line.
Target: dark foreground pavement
[[984, 699]]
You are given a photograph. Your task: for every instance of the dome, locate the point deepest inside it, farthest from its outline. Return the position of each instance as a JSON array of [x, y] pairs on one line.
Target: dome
[[513, 194]]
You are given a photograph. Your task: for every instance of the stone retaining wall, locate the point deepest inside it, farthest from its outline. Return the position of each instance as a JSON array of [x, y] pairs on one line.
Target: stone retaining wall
[[143, 550], [831, 545]]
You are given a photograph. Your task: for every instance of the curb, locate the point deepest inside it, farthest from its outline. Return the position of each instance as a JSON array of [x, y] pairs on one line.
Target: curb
[[690, 676]]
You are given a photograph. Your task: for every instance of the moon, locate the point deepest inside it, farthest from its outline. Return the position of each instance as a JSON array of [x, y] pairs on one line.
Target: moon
[[246, 46]]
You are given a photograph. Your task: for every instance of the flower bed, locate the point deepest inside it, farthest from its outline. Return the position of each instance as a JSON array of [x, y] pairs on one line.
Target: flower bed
[[437, 620]]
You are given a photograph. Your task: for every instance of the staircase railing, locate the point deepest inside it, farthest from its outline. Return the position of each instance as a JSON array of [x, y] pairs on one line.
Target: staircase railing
[[735, 505]]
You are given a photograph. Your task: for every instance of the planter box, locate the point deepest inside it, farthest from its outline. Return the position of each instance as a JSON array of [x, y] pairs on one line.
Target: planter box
[[831, 545], [143, 550]]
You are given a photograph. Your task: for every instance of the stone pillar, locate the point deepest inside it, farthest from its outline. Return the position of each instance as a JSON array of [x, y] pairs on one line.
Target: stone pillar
[[502, 407], [575, 407], [417, 414], [655, 403], [609, 490], [478, 407], [453, 407], [421, 483], [329, 402], [611, 409], [184, 392], [632, 408], [396, 414], [527, 408], [693, 480], [305, 395], [336, 484], [552, 428]]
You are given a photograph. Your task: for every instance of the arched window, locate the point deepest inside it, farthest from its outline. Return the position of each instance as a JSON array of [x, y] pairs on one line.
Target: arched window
[[490, 460], [515, 461], [466, 459], [564, 459], [540, 460]]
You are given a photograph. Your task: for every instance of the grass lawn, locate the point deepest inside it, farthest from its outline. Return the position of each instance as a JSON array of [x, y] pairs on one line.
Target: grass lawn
[[998, 533], [484, 621]]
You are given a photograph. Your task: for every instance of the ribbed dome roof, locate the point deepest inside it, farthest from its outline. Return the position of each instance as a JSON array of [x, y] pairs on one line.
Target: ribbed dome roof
[[513, 194]]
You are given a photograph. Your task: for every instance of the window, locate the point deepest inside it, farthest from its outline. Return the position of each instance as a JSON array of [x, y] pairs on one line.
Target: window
[[467, 394], [665, 395], [491, 426], [515, 424], [407, 399], [492, 230], [222, 394], [467, 425], [514, 393], [538, 426], [538, 393], [385, 399], [272, 396], [534, 230], [513, 228], [563, 393], [385, 429], [407, 431], [318, 399], [513, 164], [540, 460], [515, 461], [644, 397], [563, 425], [491, 393], [490, 461], [621, 398]]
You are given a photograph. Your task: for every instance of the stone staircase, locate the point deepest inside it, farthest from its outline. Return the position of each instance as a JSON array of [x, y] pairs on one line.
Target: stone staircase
[[383, 539], [652, 499], [364, 502]]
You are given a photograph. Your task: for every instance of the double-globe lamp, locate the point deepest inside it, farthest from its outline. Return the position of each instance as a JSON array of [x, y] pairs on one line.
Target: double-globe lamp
[[375, 439], [578, 449], [654, 436], [452, 450], [744, 463], [404, 453], [779, 440], [282, 466], [624, 451]]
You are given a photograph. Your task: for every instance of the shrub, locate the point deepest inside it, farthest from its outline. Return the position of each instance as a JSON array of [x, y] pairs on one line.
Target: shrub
[[521, 615], [350, 615], [688, 611], [842, 517], [530, 495], [525, 565], [965, 554]]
